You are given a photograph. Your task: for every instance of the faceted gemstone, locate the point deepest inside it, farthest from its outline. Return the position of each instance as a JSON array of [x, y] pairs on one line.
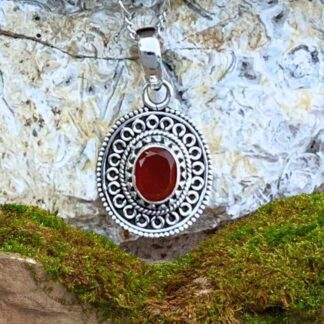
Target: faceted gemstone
[[155, 174]]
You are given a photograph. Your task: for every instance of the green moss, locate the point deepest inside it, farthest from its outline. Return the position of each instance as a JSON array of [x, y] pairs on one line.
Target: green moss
[[87, 264], [265, 268]]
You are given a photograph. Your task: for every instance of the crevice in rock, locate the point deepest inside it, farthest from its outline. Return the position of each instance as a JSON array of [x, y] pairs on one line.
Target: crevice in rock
[[196, 7], [171, 247], [170, 69], [37, 39], [162, 249]]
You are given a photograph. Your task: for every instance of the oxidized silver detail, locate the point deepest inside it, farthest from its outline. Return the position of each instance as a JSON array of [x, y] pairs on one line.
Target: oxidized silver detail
[[116, 163], [151, 103], [184, 172]]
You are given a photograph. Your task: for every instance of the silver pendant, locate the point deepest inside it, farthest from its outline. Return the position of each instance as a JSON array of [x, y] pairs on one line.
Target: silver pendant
[[154, 168]]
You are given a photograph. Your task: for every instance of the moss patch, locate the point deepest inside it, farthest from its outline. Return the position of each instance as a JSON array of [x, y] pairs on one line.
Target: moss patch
[[265, 268], [89, 265]]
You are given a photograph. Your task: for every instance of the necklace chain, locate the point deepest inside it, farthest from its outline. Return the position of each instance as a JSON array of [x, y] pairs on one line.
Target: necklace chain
[[129, 16]]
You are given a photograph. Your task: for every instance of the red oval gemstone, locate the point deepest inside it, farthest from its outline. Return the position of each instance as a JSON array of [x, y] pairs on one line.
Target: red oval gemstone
[[156, 174]]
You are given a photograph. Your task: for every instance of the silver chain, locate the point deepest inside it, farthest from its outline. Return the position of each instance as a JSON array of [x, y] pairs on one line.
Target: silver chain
[[129, 16]]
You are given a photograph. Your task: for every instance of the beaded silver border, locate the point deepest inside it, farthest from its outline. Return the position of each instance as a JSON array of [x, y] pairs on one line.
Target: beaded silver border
[[116, 188]]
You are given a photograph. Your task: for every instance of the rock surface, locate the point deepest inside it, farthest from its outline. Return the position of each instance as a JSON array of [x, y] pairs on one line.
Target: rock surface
[[249, 73], [27, 295]]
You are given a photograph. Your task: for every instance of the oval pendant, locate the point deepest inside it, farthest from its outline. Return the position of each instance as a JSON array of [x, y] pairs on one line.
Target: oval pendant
[[154, 172]]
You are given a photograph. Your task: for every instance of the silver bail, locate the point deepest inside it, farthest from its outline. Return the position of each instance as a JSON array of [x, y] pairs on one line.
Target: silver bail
[[150, 54]]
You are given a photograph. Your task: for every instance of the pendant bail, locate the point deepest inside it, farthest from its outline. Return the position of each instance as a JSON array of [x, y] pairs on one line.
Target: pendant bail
[[150, 54]]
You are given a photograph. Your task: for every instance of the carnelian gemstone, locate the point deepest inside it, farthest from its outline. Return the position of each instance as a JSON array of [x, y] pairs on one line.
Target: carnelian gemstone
[[155, 174]]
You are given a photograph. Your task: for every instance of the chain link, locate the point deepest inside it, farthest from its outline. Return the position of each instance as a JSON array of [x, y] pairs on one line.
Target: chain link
[[129, 16]]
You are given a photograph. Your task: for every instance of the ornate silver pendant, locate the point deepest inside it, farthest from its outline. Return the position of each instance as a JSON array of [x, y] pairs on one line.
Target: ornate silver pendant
[[135, 208], [154, 169]]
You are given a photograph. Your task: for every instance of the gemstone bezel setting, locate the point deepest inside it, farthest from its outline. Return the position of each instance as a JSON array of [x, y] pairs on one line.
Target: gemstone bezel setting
[[145, 148], [116, 161]]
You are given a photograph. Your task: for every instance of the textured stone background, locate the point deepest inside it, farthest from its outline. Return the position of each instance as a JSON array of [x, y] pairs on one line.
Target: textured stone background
[[249, 73]]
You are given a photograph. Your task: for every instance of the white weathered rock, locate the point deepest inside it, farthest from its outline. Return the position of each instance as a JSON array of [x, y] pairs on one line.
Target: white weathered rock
[[249, 73]]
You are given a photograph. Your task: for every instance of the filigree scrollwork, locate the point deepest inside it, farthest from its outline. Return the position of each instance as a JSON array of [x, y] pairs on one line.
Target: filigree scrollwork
[[115, 173]]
